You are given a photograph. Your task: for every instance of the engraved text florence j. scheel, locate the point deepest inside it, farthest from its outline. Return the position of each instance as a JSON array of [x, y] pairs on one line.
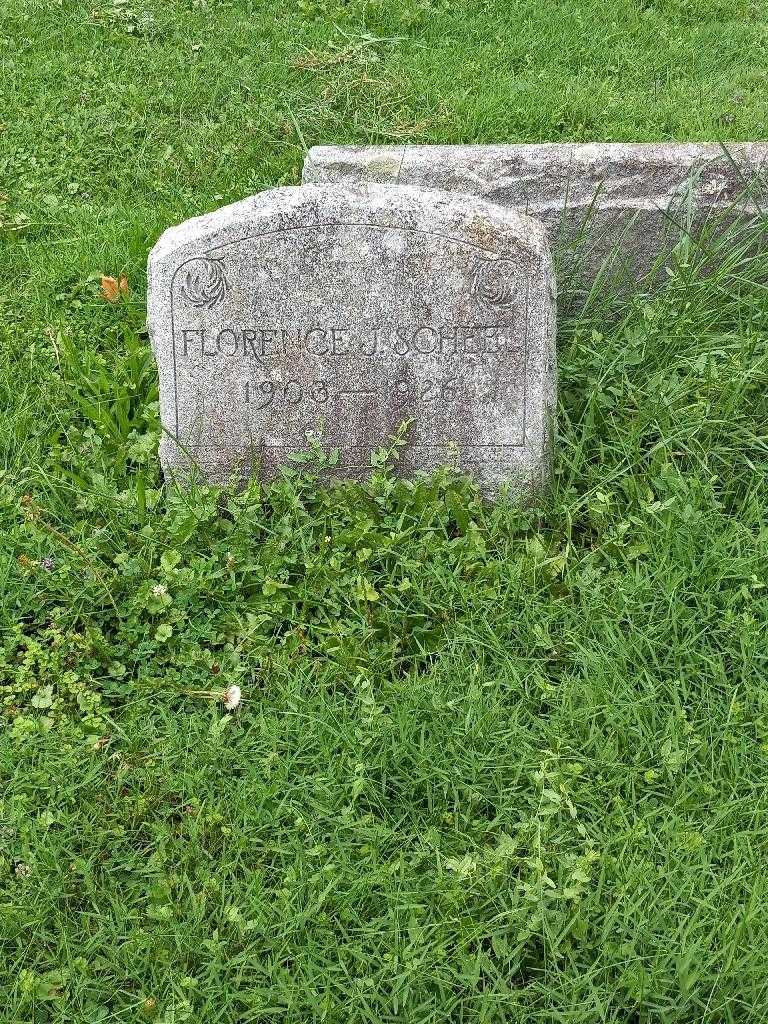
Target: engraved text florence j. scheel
[[205, 286]]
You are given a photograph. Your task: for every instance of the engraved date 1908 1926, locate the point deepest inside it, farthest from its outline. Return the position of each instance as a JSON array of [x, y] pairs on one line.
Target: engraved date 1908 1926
[[318, 392]]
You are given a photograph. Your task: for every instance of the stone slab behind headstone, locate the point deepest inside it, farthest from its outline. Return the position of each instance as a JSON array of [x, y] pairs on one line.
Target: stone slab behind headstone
[[611, 209], [317, 309]]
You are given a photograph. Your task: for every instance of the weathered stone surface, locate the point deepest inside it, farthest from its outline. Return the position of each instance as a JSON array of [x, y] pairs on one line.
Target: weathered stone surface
[[344, 313], [611, 209]]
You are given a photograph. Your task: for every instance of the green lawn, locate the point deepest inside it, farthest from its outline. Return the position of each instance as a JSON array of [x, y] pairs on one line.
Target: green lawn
[[491, 765]]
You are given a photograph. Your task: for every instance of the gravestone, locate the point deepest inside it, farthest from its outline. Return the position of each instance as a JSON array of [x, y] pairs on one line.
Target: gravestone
[[336, 314], [613, 211]]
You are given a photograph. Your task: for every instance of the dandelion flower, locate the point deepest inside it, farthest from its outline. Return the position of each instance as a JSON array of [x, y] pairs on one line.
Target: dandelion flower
[[231, 697]]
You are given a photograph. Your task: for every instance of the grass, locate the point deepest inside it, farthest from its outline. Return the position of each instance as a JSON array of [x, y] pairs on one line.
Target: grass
[[492, 765]]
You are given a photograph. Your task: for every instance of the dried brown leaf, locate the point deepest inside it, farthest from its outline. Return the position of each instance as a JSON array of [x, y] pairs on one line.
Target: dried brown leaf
[[112, 288]]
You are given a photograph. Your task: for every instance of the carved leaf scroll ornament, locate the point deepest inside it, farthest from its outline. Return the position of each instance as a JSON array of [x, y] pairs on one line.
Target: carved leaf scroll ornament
[[205, 283]]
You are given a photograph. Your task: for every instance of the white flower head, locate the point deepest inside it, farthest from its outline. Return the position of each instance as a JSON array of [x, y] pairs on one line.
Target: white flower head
[[159, 590], [231, 697]]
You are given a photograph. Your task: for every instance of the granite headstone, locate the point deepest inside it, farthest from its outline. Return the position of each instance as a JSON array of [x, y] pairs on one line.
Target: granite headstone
[[335, 314], [613, 210]]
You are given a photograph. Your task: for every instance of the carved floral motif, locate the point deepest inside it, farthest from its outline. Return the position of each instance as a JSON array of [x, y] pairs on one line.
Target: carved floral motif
[[493, 284], [205, 283]]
